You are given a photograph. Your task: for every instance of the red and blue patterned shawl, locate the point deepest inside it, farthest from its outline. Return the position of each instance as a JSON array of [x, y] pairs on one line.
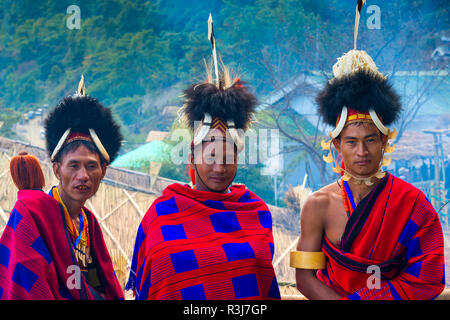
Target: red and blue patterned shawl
[[199, 245], [36, 253], [395, 228]]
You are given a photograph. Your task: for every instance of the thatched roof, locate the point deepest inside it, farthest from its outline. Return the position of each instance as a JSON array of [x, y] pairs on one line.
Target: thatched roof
[[156, 135], [417, 145]]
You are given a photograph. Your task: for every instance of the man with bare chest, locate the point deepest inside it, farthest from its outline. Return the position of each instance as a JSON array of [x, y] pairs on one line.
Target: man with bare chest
[[369, 235], [362, 144], [368, 220], [325, 215]]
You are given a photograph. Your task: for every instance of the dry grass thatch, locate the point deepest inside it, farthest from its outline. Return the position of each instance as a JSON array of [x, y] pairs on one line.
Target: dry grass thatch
[[296, 197], [417, 145]]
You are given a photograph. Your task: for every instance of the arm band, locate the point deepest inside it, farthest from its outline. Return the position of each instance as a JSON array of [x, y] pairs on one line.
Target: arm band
[[307, 260]]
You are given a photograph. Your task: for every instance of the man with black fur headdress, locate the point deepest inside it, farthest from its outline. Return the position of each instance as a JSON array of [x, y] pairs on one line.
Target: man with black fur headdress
[[370, 235], [212, 241], [53, 247]]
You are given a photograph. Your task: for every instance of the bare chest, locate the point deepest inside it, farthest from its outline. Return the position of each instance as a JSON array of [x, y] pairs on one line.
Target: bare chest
[[335, 221]]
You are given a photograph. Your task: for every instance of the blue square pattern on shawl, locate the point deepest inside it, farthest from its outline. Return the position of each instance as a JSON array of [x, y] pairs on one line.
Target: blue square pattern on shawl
[[196, 292], [144, 290], [238, 251], [14, 219], [5, 255], [64, 292], [140, 237], [166, 207], [408, 232], [265, 218], [131, 283], [140, 274], [394, 292], [443, 274], [274, 291], [245, 286], [173, 232], [214, 204], [246, 198], [354, 296], [24, 277], [184, 261], [40, 247], [1, 292], [414, 269], [413, 249], [272, 249], [225, 222]]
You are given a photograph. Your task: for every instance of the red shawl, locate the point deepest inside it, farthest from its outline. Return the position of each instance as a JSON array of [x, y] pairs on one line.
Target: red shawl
[[199, 245], [395, 230], [37, 257]]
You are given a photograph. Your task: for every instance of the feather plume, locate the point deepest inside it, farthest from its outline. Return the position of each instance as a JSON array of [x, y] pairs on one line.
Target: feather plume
[[213, 47], [359, 6], [235, 103], [360, 91], [81, 88]]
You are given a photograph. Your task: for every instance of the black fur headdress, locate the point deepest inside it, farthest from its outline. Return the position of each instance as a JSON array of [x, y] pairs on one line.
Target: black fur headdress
[[86, 115], [360, 91], [358, 85], [235, 103]]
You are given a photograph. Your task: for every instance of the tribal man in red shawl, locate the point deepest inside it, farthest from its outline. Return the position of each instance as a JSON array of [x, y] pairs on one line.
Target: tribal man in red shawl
[[52, 246], [370, 235], [213, 241]]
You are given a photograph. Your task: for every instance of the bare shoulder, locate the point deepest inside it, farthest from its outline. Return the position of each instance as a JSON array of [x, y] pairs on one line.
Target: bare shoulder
[[319, 200], [317, 205], [313, 219]]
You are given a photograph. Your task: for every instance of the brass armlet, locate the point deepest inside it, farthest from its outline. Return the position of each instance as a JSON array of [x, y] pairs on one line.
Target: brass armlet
[[307, 260]]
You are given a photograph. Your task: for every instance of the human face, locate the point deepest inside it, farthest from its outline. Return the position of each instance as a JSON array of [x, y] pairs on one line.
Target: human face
[[361, 147], [79, 172], [215, 166]]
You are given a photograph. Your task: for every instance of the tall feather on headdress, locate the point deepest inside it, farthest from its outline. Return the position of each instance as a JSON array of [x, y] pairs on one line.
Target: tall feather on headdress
[[358, 84], [359, 5], [81, 88], [358, 92], [221, 99], [213, 47]]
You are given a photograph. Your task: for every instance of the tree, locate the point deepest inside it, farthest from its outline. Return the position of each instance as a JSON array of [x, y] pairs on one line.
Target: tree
[[282, 41]]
